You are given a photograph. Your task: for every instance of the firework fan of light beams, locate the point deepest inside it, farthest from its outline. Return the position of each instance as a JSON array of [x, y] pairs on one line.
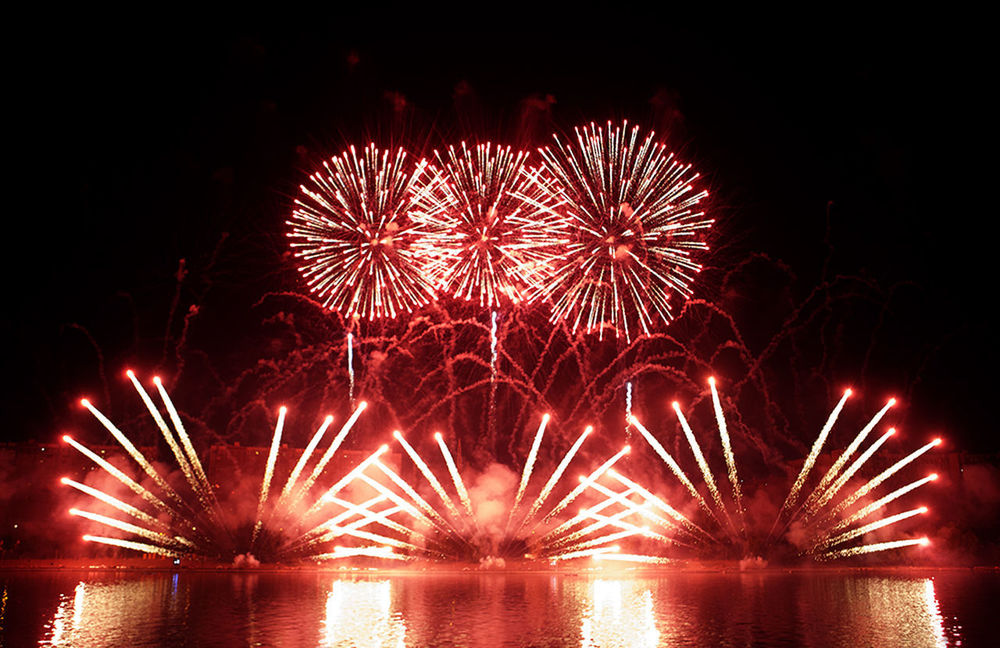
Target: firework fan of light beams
[[492, 229], [835, 512], [357, 248], [395, 522], [632, 213], [190, 521]]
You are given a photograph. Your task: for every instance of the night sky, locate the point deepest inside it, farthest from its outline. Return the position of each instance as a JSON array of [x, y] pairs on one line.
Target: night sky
[[135, 149]]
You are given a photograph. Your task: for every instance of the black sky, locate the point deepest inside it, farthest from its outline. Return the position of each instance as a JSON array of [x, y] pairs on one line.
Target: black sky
[[139, 147]]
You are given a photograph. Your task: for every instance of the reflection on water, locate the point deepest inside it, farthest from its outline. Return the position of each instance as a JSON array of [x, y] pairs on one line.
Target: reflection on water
[[497, 609], [359, 614], [620, 614]]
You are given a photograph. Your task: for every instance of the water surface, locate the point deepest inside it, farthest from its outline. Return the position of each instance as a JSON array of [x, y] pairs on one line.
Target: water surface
[[100, 608]]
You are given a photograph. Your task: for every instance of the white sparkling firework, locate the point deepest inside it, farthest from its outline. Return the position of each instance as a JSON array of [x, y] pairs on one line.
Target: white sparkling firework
[[491, 230], [353, 237], [634, 225]]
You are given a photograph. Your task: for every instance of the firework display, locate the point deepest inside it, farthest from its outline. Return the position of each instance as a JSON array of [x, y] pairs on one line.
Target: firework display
[[820, 517], [633, 213], [606, 230], [373, 511], [493, 229], [351, 231]]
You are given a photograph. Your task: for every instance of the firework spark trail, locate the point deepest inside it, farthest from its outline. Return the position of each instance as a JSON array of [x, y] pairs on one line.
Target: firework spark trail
[[192, 455], [528, 466], [429, 475], [693, 529], [636, 558], [463, 494], [135, 546], [585, 553], [350, 367], [347, 479], [367, 518], [543, 495], [352, 234], [143, 532], [128, 509], [304, 459], [635, 529], [628, 400], [582, 515], [587, 514], [431, 512], [862, 530], [727, 450], [328, 455], [382, 517], [641, 510], [178, 453], [371, 552], [132, 485], [309, 537], [878, 504], [134, 453], [602, 540], [834, 471], [872, 548], [882, 476], [585, 482], [265, 485], [676, 469], [706, 472], [813, 454], [846, 476], [398, 501], [630, 213]]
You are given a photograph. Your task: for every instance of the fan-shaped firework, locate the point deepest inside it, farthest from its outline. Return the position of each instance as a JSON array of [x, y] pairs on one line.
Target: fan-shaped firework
[[493, 231], [826, 516], [352, 234], [632, 213], [169, 523]]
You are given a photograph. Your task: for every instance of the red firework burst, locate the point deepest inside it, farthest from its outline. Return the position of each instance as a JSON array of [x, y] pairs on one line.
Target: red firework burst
[[632, 216], [492, 231], [352, 234]]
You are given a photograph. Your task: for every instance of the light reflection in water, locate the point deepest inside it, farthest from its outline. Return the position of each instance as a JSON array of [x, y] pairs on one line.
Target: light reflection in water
[[934, 612], [620, 613], [359, 614]]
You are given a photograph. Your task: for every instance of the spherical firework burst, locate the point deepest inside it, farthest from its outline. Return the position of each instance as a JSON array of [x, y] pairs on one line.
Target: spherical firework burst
[[632, 214], [352, 233], [492, 231]]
